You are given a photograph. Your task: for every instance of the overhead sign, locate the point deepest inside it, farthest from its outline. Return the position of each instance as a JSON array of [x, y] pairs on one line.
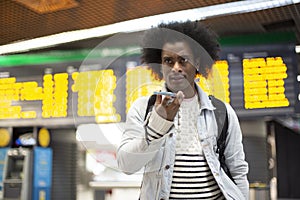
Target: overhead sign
[[257, 81]]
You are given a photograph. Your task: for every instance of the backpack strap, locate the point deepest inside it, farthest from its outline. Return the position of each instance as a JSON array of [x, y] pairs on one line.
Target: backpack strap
[[222, 123], [150, 104]]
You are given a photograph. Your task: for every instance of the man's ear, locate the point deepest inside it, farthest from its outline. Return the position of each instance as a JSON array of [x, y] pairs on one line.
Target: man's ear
[[197, 65]]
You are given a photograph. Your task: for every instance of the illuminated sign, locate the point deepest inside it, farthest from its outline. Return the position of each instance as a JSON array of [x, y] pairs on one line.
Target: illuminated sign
[[140, 81], [256, 81], [55, 93], [262, 79], [264, 83], [96, 95], [217, 82]]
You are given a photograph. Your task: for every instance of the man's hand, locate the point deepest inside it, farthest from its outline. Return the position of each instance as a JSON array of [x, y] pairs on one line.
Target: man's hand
[[168, 106]]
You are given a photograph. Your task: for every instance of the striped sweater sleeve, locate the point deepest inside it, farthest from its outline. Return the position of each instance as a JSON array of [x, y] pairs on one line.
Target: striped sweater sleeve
[[157, 126]]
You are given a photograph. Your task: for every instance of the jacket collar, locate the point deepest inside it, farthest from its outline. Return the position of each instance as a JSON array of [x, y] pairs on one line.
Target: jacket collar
[[205, 101]]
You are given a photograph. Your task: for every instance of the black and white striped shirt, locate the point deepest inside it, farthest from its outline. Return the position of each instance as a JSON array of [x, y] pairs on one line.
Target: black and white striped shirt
[[192, 177]]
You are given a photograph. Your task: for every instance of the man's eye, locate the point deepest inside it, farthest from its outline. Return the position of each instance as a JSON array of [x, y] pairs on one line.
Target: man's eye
[[184, 60], [167, 61]]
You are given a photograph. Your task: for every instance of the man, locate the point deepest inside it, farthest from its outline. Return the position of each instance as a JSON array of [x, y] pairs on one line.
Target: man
[[176, 143]]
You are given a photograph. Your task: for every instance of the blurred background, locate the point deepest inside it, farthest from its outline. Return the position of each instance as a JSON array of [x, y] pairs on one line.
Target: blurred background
[[70, 70]]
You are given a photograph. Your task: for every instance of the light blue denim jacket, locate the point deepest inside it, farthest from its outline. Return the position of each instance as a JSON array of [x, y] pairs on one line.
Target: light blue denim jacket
[[158, 157]]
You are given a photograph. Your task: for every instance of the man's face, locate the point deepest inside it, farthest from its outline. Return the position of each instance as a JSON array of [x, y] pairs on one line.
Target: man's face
[[178, 67]]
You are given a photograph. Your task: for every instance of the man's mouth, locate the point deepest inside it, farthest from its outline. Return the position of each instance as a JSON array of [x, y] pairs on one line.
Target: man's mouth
[[177, 78]]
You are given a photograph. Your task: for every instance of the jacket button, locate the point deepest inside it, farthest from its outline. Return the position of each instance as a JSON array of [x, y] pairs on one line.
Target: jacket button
[[167, 167], [171, 135]]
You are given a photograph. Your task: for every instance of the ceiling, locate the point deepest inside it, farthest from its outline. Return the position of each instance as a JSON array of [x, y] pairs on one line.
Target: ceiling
[[20, 21]]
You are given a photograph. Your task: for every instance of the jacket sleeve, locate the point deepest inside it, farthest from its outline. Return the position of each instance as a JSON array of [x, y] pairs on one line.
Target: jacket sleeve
[[134, 151], [234, 153]]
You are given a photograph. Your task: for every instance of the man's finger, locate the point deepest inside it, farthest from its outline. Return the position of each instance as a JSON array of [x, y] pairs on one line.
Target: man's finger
[[158, 99]]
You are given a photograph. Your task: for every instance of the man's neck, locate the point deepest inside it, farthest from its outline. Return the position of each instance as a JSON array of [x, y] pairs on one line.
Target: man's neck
[[189, 94]]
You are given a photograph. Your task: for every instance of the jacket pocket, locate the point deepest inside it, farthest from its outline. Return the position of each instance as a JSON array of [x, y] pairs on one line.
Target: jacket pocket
[[156, 163], [151, 186], [158, 188], [232, 189]]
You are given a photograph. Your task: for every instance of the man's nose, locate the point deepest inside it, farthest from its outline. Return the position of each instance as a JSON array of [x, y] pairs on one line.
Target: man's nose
[[177, 67]]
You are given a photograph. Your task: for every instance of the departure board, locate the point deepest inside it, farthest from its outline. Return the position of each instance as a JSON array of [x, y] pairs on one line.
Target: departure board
[[264, 85], [262, 79], [217, 82], [95, 95], [257, 81]]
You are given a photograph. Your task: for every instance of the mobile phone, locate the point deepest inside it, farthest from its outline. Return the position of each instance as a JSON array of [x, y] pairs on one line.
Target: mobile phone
[[171, 94]]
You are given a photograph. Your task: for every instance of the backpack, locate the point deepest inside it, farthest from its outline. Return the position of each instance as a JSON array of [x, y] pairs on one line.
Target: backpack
[[222, 123]]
